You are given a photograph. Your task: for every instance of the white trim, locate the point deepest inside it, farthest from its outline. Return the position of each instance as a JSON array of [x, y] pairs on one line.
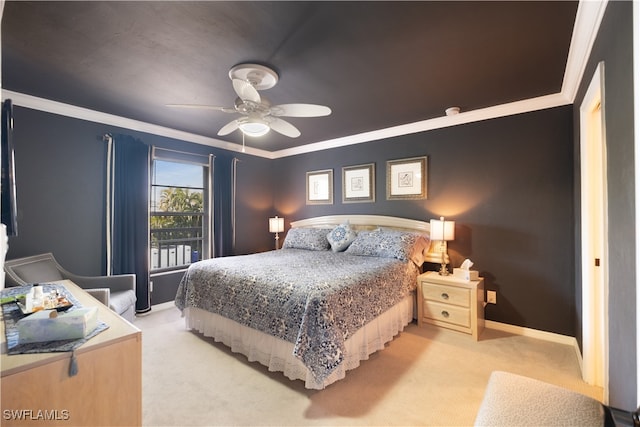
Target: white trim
[[518, 107], [211, 208], [363, 221], [594, 232], [164, 273], [489, 324], [525, 106], [588, 18], [532, 333], [41, 104], [537, 334], [163, 306], [109, 203]]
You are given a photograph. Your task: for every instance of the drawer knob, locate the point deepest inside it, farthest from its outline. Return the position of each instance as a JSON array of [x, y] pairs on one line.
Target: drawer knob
[[445, 295], [445, 313]]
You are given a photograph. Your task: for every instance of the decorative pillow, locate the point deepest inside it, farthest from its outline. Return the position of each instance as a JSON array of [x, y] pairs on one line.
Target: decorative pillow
[[383, 243], [417, 254], [313, 239], [341, 237]]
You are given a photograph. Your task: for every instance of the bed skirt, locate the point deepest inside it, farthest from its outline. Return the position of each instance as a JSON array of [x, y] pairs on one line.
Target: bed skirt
[[277, 354]]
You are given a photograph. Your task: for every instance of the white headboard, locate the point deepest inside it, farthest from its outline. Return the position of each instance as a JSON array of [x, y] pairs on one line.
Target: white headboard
[[368, 222], [363, 222]]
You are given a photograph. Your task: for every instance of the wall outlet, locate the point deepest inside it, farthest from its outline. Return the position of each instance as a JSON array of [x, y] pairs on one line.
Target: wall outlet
[[491, 297], [151, 286]]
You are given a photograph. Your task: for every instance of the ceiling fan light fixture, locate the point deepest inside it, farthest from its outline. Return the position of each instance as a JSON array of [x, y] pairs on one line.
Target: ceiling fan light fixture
[[253, 126], [259, 116]]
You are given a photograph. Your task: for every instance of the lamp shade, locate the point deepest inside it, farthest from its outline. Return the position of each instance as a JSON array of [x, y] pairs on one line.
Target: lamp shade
[[441, 229], [276, 225]]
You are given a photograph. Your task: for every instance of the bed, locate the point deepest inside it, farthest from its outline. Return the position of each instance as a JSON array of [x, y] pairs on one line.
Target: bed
[[340, 288]]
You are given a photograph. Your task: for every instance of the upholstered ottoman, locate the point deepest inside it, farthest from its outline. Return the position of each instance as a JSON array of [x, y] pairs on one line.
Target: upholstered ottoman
[[513, 400]]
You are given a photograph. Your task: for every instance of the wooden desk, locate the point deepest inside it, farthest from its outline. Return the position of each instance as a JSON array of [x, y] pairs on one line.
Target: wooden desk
[[107, 390]]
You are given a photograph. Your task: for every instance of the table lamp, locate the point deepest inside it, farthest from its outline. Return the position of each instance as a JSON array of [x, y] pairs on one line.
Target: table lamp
[[276, 225], [442, 231]]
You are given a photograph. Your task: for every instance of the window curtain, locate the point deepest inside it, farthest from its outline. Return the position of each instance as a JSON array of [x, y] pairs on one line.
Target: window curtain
[[128, 213], [224, 195]]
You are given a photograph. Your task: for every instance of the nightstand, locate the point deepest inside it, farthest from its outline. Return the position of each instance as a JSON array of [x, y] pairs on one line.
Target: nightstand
[[448, 302]]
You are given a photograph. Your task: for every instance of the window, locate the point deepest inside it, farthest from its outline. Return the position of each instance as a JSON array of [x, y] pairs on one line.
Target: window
[[180, 220]]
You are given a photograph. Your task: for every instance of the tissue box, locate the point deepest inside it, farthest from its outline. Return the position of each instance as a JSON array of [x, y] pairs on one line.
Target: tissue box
[[465, 274], [48, 325]]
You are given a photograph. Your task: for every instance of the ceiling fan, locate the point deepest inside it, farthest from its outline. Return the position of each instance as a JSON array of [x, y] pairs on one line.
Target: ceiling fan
[[258, 115]]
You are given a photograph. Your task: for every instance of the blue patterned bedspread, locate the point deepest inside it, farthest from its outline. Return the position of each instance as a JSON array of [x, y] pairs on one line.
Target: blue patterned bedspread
[[314, 299]]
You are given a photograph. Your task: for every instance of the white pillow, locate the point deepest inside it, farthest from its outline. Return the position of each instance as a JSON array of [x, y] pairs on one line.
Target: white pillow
[[341, 237]]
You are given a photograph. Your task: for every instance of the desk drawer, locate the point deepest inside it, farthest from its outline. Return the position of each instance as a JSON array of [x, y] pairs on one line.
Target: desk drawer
[[447, 313], [446, 294]]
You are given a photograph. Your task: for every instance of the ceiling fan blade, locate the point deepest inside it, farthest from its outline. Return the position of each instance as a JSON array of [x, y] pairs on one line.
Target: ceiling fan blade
[[283, 127], [228, 128], [204, 107], [300, 110], [246, 91]]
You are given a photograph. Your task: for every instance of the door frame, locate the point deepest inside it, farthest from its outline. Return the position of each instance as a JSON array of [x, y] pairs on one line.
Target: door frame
[[594, 235]]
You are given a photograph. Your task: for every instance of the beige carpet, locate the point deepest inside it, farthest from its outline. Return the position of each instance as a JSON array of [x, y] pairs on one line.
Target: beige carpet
[[425, 377]]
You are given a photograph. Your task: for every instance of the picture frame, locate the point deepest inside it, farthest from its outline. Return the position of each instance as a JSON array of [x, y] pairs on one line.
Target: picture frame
[[359, 183], [320, 187], [407, 178]]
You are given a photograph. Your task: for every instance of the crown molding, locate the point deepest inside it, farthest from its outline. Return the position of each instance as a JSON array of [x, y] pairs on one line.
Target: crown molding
[[585, 30], [68, 110], [525, 106], [588, 18]]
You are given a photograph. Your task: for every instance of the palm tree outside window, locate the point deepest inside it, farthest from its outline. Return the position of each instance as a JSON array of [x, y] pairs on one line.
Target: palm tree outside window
[[179, 212]]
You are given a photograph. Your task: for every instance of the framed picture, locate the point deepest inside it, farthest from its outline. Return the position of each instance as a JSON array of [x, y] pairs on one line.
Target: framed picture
[[359, 183], [407, 179], [320, 187]]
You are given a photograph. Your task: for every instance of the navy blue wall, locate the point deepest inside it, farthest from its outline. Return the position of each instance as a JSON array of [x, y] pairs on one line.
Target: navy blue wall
[[508, 184], [613, 46], [60, 181]]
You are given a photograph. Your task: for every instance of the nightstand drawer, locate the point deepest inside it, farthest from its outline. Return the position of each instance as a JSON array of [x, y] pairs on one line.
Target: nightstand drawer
[[446, 294], [447, 313], [450, 303]]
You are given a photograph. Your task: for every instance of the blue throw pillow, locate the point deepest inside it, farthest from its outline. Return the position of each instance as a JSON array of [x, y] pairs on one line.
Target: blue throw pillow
[[383, 243]]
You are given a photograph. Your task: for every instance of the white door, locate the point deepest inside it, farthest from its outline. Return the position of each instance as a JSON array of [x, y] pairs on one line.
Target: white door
[[594, 235]]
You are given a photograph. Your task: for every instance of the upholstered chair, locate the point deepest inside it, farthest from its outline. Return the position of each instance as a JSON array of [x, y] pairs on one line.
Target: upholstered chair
[[116, 292]]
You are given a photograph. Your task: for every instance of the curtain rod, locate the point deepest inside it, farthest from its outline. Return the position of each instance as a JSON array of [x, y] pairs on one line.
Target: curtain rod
[[183, 152]]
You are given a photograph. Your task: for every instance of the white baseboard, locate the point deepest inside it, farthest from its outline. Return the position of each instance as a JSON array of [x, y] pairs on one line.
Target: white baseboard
[[535, 333], [489, 324], [163, 306]]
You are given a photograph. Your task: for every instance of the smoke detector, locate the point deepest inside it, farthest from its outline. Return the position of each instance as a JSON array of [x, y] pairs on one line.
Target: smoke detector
[[452, 111]]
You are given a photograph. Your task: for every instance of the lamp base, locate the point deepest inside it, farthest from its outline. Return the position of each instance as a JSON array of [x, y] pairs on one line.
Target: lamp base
[[443, 270]]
